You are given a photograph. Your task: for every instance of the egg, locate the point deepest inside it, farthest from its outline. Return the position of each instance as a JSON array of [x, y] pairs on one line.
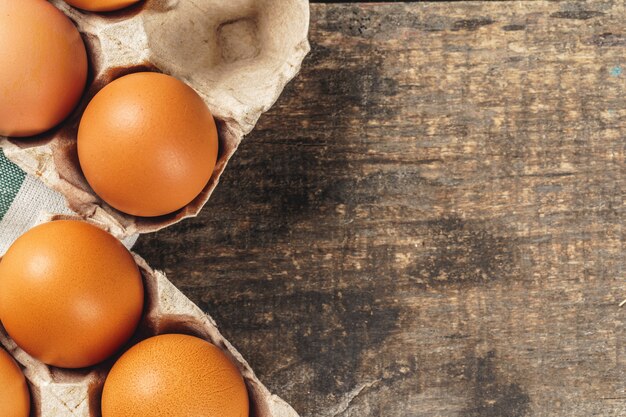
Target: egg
[[43, 68], [147, 144], [174, 375], [70, 293], [101, 5], [14, 394]]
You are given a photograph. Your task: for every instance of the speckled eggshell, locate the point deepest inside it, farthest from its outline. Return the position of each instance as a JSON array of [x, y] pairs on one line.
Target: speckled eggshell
[[43, 67], [101, 5], [70, 293], [147, 144], [14, 394], [174, 375]]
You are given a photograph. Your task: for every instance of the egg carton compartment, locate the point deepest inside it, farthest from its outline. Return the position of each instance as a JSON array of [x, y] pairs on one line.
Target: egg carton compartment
[[76, 393], [237, 54]]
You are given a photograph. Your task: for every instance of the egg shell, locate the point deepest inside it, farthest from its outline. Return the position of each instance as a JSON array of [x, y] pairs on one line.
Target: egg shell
[[237, 54], [67, 393], [14, 393], [174, 375], [147, 144], [70, 293], [101, 5], [43, 67]]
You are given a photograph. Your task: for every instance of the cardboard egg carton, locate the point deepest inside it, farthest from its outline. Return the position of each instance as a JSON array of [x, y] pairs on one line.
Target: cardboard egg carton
[[60, 392], [237, 54]]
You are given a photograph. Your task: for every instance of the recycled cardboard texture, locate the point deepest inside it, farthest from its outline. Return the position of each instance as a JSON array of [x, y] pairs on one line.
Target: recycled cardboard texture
[[237, 54], [69, 393]]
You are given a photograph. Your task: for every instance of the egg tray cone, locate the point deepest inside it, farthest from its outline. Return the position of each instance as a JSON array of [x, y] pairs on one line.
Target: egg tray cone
[[76, 393], [237, 54]]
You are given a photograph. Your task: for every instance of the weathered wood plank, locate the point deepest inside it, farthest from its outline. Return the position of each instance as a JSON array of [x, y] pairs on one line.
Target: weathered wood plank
[[429, 222]]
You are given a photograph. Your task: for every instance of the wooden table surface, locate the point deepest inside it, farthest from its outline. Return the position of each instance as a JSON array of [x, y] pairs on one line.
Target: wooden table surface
[[430, 220]]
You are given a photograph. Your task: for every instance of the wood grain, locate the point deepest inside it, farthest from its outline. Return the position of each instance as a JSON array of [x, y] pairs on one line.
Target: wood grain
[[429, 221]]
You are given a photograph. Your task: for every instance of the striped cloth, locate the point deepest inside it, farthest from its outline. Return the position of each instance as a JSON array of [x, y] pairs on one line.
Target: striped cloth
[[25, 202]]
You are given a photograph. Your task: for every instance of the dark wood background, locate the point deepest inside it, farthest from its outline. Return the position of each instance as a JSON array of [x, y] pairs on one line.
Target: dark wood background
[[430, 220]]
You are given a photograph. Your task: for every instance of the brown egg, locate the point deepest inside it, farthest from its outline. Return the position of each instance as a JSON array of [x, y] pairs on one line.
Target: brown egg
[[14, 394], [147, 144], [70, 293], [174, 376], [43, 67], [101, 5]]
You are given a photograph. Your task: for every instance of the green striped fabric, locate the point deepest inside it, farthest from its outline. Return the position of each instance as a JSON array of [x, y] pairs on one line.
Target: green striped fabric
[[25, 202], [12, 179]]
